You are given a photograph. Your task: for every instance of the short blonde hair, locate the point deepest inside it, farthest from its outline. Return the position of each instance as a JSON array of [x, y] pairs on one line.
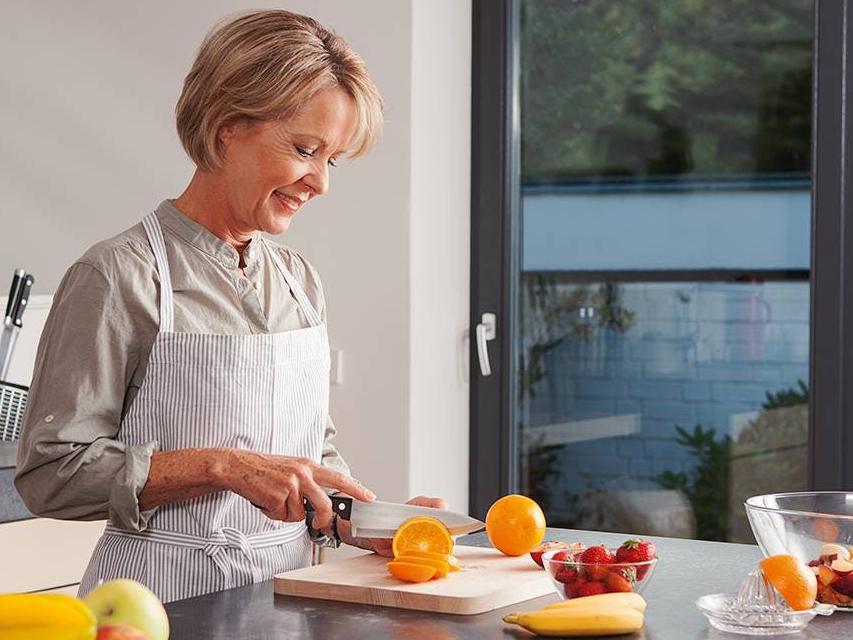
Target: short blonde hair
[[262, 66]]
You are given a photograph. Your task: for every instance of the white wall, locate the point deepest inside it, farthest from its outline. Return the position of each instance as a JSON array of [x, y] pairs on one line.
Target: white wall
[[440, 239], [87, 92]]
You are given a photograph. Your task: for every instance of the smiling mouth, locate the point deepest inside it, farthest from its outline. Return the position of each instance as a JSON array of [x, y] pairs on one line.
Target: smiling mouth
[[291, 204]]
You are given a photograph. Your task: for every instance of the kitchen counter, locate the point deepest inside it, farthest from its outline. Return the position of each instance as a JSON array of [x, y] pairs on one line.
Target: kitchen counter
[[687, 570], [11, 507]]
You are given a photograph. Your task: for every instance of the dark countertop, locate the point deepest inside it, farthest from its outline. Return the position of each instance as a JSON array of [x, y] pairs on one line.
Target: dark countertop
[[11, 507], [687, 570], [8, 452]]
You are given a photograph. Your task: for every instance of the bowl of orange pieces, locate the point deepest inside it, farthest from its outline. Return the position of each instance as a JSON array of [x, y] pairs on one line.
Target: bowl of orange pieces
[[423, 551]]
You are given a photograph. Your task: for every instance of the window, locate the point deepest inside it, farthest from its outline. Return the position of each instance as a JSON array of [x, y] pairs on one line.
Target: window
[[643, 227]]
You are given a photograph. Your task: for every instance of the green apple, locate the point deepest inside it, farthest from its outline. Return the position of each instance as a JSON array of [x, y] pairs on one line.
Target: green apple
[[128, 602]]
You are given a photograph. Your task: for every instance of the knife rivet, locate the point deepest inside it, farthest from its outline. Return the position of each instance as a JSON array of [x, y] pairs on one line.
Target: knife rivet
[[341, 506]]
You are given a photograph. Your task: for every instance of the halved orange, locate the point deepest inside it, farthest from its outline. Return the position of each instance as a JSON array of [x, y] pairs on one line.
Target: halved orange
[[412, 551], [795, 581], [442, 567], [410, 572], [422, 534]]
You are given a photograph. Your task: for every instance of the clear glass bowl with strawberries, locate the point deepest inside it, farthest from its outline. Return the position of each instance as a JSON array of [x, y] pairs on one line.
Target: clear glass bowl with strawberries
[[578, 572], [817, 528]]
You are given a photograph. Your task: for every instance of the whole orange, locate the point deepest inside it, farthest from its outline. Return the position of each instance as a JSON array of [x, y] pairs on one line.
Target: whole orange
[[515, 524]]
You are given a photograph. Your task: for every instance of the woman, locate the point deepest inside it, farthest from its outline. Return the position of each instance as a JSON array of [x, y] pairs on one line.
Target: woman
[[181, 383]]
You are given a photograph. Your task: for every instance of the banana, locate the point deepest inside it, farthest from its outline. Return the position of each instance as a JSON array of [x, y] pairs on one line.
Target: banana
[[577, 622], [37, 616], [603, 600]]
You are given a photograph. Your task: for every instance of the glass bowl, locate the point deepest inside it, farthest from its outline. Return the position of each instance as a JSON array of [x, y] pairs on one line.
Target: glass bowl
[[814, 526], [574, 579]]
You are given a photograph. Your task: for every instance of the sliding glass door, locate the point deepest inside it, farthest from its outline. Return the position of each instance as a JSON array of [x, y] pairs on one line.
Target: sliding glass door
[[646, 247]]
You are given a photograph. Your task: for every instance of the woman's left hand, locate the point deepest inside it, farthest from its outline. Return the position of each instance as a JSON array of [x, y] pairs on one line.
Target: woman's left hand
[[382, 546]]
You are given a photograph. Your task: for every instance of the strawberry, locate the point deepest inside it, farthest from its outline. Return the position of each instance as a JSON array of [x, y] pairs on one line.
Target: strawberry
[[616, 582], [595, 558], [566, 574], [591, 589], [537, 552], [637, 551], [597, 555], [572, 588], [562, 556]]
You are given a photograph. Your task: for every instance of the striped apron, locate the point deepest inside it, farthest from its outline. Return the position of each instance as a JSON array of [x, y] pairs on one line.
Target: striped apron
[[267, 393]]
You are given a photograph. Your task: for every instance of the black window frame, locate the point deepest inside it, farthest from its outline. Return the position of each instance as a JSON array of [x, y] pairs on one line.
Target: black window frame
[[495, 248]]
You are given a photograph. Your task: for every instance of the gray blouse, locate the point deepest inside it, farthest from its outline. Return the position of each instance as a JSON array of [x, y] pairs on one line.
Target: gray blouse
[[93, 354]]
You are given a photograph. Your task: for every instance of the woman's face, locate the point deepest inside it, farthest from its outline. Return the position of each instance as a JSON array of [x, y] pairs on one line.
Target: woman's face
[[272, 168]]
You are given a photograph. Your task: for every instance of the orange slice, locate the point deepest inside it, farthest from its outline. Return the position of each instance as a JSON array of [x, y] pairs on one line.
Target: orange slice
[[441, 566], [423, 534], [409, 572], [792, 579], [454, 563]]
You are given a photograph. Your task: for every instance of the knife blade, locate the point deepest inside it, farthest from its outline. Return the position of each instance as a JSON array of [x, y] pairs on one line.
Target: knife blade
[[381, 519]]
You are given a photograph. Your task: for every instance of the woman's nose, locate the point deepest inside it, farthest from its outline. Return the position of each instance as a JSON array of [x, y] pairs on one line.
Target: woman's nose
[[318, 180]]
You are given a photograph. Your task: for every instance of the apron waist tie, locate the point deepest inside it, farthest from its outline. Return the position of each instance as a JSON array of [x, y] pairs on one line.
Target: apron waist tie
[[219, 540]]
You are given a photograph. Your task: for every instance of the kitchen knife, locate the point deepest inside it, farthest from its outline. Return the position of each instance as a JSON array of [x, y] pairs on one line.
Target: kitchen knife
[[12, 322], [23, 298], [381, 519]]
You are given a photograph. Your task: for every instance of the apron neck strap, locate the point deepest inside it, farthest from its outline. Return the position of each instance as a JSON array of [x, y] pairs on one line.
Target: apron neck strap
[[158, 245], [310, 312]]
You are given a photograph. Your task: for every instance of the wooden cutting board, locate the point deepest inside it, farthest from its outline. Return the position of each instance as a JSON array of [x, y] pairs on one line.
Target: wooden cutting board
[[488, 580]]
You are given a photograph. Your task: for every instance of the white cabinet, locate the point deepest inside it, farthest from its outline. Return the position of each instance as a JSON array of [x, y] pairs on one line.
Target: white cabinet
[[44, 554]]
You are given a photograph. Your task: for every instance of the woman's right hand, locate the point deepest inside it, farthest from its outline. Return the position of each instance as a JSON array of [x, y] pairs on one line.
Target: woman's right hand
[[278, 484]]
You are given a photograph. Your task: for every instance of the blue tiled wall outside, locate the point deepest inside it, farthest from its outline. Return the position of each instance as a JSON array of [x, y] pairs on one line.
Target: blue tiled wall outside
[[695, 353]]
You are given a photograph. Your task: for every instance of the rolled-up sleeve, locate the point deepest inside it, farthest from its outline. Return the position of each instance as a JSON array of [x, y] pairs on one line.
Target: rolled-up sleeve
[[71, 465]]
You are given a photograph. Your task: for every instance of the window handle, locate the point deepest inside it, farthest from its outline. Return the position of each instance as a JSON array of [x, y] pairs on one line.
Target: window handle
[[485, 332]]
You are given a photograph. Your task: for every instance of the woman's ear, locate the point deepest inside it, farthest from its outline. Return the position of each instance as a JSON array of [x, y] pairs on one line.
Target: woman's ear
[[227, 132]]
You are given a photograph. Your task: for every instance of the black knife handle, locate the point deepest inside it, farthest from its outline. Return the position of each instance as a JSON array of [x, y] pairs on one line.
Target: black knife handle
[[341, 505], [14, 292], [23, 298]]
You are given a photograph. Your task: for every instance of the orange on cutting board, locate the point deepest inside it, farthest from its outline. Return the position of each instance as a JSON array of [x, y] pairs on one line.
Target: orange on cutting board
[[410, 572], [411, 551], [515, 524], [794, 580], [442, 567], [422, 534], [452, 561]]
